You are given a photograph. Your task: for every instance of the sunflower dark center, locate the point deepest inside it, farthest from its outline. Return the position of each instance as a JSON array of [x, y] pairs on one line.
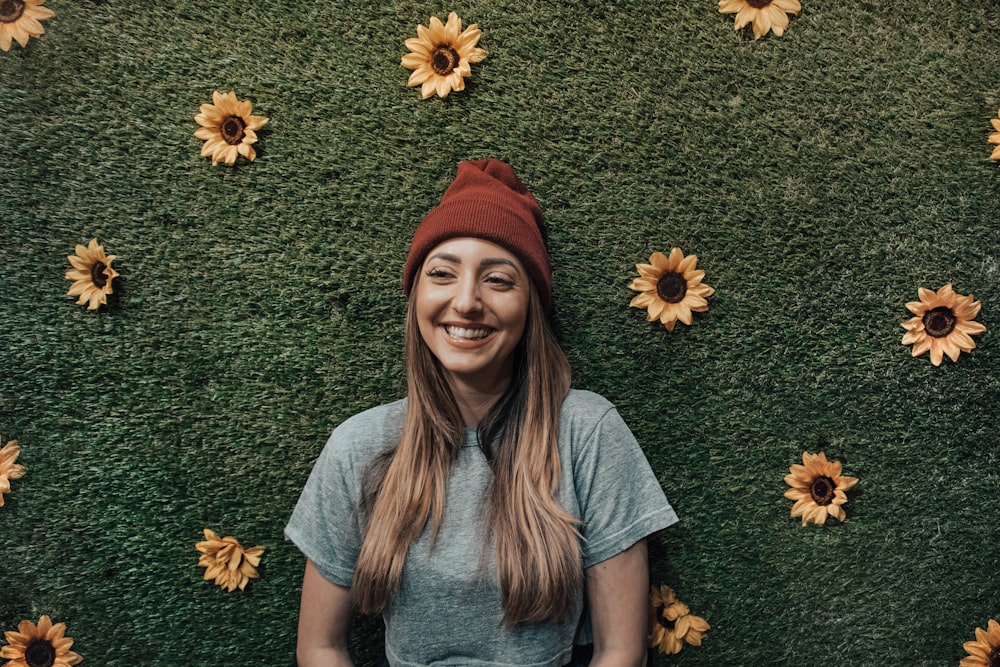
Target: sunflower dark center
[[822, 490], [11, 10], [995, 657], [759, 4], [664, 621], [232, 130], [97, 274], [40, 653], [671, 287], [939, 322], [444, 60]]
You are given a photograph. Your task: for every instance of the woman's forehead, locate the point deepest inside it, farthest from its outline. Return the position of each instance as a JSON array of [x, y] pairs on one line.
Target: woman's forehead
[[469, 247]]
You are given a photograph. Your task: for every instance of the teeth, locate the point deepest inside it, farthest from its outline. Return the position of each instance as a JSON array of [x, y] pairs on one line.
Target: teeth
[[471, 334]]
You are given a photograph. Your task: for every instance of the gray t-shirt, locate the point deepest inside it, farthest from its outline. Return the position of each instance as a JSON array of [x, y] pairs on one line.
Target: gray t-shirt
[[448, 609]]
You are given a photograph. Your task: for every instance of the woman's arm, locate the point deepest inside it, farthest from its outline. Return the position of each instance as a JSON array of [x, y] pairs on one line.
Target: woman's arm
[[324, 622], [618, 595]]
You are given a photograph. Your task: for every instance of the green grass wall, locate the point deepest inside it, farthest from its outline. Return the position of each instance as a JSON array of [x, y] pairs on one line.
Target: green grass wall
[[821, 177]]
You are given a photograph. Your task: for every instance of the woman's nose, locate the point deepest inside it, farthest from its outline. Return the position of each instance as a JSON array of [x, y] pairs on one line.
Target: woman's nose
[[466, 298]]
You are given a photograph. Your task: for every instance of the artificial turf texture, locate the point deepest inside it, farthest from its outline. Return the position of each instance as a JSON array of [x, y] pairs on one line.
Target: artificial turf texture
[[821, 178]]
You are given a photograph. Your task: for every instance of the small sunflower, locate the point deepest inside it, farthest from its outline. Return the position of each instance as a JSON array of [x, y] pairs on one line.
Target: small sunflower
[[227, 562], [671, 622], [994, 137], [764, 14], [818, 488], [670, 288], [21, 20], [985, 651], [44, 645], [942, 323], [441, 56], [8, 469], [91, 274], [228, 128]]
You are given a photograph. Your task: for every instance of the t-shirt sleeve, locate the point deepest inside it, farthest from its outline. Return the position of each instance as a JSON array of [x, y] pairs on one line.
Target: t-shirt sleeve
[[324, 524], [620, 499]]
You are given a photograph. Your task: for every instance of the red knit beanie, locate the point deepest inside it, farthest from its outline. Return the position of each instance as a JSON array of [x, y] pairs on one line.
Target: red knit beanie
[[486, 201]]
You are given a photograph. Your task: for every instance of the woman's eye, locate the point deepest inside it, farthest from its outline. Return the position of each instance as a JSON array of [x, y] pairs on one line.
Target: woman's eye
[[495, 279], [438, 273]]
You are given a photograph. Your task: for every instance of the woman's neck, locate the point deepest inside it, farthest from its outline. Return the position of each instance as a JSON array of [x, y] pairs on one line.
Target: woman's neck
[[476, 398]]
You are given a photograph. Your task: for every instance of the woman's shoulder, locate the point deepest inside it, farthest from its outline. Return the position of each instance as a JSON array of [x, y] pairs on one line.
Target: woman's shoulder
[[583, 410], [368, 432], [583, 402], [377, 417], [589, 422]]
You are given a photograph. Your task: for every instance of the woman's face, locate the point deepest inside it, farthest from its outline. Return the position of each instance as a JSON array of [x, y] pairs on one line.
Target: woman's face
[[472, 306]]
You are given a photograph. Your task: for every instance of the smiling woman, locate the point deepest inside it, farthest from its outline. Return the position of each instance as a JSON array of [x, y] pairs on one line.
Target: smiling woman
[[472, 305], [480, 512]]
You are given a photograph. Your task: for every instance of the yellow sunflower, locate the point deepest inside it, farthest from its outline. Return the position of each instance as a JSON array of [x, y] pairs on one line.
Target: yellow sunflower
[[8, 469], [227, 562], [764, 14], [942, 323], [440, 56], [994, 137], [985, 651], [44, 645], [671, 622], [21, 20], [670, 288], [91, 274], [228, 128], [818, 488]]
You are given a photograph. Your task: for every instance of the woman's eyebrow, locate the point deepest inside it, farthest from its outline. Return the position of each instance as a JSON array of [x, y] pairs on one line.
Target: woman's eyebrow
[[488, 261], [446, 257], [494, 261]]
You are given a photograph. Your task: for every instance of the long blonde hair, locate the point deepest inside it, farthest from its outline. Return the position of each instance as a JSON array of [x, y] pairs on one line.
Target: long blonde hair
[[538, 558]]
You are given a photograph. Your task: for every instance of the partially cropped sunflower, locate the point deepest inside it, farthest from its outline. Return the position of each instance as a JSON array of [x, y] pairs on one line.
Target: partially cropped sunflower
[[942, 323], [8, 469], [21, 20], [670, 288], [91, 274], [671, 622], [985, 651], [818, 488], [765, 15], [228, 128], [44, 645], [441, 56], [227, 562], [994, 137]]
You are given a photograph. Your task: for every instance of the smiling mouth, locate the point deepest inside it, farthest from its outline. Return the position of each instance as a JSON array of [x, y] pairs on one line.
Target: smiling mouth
[[463, 333]]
